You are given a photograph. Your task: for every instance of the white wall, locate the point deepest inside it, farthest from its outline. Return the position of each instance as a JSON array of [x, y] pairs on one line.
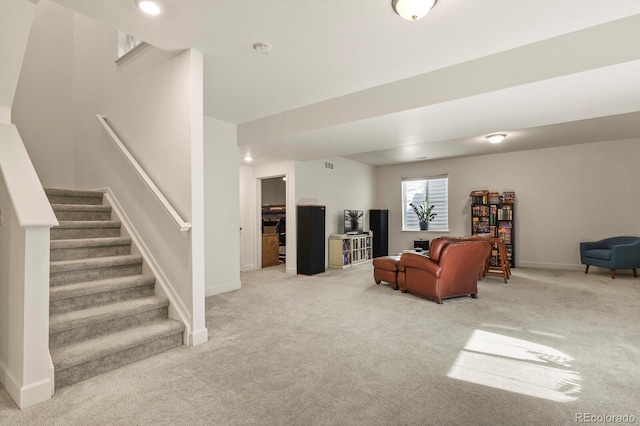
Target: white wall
[[42, 109], [563, 196], [154, 102], [222, 207], [15, 23], [350, 185]]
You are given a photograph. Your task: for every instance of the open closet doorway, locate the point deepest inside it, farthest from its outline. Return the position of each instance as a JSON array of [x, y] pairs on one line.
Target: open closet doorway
[[273, 227]]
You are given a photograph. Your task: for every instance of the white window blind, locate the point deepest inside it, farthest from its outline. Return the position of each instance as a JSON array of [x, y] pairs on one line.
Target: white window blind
[[414, 191]]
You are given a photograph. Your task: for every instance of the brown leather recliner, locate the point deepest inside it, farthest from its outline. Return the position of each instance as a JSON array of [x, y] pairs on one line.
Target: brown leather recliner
[[450, 270]]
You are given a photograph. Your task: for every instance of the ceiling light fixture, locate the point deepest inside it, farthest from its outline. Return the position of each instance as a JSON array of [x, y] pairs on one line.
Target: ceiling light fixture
[[149, 7], [248, 157], [496, 137], [412, 10]]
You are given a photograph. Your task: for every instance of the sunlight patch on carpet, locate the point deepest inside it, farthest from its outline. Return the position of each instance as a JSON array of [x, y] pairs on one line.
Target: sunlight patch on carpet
[[517, 365]]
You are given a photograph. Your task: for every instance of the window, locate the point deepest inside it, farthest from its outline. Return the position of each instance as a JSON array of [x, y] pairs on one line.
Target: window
[[414, 191]]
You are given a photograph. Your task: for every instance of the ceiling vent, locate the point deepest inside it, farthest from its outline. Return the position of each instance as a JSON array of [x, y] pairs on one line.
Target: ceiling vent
[[328, 165]]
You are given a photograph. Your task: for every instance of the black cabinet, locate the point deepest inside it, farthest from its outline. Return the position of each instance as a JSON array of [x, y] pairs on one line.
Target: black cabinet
[[311, 239], [379, 224]]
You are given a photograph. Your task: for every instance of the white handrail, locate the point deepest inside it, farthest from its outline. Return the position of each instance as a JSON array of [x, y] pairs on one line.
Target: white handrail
[[184, 226]]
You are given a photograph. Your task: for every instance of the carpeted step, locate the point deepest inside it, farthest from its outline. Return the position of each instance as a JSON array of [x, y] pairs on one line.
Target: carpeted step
[[68, 230], [89, 247], [71, 297], [76, 326], [74, 271], [103, 309], [89, 358], [66, 212], [68, 196]]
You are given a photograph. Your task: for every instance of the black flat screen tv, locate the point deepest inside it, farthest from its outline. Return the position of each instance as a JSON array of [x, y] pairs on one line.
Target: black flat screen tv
[[353, 221]]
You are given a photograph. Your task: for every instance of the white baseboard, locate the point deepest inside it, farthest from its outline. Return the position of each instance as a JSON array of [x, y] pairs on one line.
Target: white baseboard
[[199, 337], [25, 396], [221, 288], [292, 271]]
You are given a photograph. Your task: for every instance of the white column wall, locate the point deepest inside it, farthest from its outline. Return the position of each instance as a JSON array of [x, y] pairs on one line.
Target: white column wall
[[222, 207], [564, 195], [26, 217], [248, 230]]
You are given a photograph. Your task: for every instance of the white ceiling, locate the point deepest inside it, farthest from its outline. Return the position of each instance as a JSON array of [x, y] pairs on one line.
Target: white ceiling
[[351, 78]]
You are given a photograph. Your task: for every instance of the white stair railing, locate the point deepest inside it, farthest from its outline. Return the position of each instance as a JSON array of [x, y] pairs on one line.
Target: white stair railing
[[182, 225]]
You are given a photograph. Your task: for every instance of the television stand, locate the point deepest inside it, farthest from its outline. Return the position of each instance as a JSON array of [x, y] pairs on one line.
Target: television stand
[[349, 249]]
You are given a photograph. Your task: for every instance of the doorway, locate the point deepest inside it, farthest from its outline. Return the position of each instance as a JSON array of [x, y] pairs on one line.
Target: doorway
[[273, 225]]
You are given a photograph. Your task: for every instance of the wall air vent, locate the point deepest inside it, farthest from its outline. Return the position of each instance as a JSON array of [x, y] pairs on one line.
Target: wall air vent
[[328, 165]]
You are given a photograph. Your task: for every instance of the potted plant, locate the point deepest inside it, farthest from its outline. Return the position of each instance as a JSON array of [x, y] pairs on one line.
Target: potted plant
[[424, 212]]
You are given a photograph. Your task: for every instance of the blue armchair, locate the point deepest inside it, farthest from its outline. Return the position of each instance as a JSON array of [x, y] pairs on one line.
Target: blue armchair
[[612, 253]]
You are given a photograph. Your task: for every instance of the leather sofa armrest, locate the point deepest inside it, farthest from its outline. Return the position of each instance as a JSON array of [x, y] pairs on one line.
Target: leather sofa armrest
[[437, 245], [418, 261]]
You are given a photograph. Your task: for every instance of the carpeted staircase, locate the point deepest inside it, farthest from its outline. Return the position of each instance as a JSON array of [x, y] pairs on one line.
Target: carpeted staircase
[[103, 309]]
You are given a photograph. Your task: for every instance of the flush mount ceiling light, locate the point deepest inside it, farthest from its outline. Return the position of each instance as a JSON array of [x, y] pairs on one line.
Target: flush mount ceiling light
[[248, 157], [412, 10], [149, 7], [496, 137]]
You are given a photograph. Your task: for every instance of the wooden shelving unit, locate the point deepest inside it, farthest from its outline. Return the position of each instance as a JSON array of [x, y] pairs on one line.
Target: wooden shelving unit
[[348, 250]]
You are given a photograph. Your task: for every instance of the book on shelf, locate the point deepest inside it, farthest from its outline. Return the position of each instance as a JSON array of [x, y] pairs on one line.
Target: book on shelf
[[479, 196], [505, 213], [508, 197], [504, 231], [494, 197], [480, 226]]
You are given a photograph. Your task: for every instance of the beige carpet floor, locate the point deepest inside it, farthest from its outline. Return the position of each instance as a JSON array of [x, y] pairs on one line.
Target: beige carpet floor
[[548, 348]]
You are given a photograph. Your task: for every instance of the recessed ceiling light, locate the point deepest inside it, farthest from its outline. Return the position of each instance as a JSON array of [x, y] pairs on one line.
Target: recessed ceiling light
[[149, 7], [496, 137], [248, 157]]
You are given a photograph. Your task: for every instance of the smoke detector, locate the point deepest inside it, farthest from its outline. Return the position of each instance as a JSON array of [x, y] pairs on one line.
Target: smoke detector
[[263, 48]]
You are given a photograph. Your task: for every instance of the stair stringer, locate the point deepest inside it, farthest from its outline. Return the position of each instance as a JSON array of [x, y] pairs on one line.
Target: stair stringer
[[177, 309]]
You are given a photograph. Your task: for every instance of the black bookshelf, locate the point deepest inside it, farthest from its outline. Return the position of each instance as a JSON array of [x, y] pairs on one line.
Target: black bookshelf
[[493, 214]]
